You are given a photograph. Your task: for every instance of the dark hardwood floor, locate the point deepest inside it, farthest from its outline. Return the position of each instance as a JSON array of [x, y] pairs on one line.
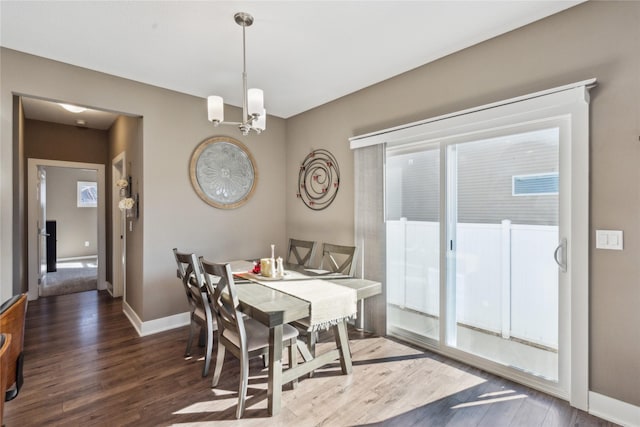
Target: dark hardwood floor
[[86, 366]]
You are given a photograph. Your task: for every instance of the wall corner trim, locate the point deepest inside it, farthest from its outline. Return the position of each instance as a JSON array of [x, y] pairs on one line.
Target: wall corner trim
[[614, 410], [156, 325]]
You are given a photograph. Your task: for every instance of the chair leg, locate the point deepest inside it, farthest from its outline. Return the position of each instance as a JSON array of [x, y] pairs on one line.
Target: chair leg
[[293, 360], [209, 350], [244, 383], [202, 337], [218, 368], [187, 352]]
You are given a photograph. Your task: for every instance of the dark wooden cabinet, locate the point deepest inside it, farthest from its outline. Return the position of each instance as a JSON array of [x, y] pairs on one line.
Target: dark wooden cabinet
[[51, 246]]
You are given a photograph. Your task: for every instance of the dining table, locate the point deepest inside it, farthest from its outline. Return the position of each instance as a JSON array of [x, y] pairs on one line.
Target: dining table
[[275, 302]]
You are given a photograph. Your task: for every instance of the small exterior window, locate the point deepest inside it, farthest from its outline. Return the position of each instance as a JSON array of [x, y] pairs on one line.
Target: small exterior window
[[543, 184]]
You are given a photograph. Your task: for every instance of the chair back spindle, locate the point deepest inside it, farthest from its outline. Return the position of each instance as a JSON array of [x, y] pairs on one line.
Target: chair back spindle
[[301, 252], [339, 259]]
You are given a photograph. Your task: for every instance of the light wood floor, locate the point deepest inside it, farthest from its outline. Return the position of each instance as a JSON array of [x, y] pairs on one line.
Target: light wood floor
[[85, 365]]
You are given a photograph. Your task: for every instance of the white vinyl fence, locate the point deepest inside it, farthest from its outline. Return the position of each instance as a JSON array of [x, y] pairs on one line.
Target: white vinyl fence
[[506, 277]]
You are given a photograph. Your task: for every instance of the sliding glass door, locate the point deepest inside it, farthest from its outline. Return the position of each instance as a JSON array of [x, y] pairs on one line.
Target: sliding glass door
[[486, 235], [474, 253], [502, 230]]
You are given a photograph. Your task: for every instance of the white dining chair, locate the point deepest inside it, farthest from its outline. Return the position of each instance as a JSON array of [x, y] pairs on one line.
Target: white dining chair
[[243, 336], [339, 259], [301, 252], [336, 259], [198, 298]]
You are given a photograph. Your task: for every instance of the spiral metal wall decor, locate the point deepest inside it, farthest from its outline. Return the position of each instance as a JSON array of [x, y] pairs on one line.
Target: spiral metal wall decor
[[318, 179]]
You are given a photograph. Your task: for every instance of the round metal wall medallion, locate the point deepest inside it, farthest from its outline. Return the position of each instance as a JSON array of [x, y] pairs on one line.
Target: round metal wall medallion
[[223, 172]]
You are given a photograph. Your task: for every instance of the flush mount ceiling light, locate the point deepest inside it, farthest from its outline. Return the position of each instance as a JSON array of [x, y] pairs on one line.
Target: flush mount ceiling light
[[254, 115], [72, 108]]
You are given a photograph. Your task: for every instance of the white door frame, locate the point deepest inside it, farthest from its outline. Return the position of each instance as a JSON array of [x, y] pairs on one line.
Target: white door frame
[[41, 223], [118, 229], [32, 216]]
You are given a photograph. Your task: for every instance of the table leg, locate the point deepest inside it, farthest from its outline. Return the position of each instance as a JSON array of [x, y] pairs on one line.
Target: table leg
[[274, 391], [342, 342]]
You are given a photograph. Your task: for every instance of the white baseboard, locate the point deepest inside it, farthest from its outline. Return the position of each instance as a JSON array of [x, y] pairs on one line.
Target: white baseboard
[[156, 325], [614, 410], [110, 288], [133, 317]]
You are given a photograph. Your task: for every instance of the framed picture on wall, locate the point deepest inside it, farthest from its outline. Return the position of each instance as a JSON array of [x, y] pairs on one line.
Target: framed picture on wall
[[87, 194]]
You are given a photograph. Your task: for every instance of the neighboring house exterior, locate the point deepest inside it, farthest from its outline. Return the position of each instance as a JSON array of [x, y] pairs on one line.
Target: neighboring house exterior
[[486, 175]]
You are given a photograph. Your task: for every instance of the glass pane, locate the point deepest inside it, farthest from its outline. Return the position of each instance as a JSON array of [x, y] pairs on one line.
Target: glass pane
[[505, 283], [413, 243]]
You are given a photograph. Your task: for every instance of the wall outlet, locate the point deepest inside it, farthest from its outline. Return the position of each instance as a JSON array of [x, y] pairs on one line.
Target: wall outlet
[[86, 244]]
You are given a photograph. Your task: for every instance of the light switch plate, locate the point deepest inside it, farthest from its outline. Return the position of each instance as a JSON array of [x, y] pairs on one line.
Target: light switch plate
[[609, 239]]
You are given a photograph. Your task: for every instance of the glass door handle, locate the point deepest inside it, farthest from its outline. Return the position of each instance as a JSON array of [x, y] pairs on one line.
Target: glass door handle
[[562, 263]]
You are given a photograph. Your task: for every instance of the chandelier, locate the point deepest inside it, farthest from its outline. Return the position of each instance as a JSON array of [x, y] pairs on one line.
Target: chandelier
[[254, 115]]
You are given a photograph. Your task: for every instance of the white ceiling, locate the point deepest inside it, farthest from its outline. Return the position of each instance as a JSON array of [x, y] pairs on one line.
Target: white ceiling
[[302, 54], [40, 109]]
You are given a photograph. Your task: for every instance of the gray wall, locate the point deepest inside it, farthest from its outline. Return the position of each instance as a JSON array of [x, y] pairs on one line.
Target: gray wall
[[594, 39], [74, 225], [171, 213]]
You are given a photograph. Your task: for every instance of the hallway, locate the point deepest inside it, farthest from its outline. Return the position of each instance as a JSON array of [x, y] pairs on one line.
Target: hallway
[[71, 276]]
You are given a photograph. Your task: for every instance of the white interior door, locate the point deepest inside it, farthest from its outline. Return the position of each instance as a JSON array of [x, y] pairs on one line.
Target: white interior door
[[41, 225]]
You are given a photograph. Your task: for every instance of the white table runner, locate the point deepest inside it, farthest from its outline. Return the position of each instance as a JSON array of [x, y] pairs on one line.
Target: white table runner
[[288, 275], [330, 303]]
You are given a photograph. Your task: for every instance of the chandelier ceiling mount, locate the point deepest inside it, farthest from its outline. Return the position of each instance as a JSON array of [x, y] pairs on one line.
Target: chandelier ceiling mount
[[254, 115]]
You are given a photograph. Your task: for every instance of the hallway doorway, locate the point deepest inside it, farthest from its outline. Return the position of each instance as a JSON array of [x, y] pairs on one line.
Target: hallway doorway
[[82, 254]]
